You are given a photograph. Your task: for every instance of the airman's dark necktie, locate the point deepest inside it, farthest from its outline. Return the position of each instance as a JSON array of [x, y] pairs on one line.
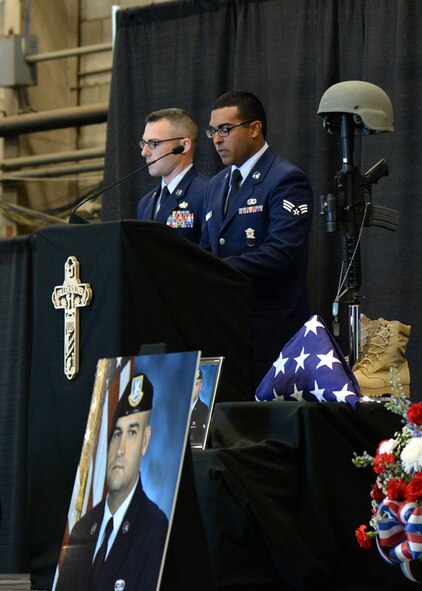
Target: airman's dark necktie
[[160, 201], [235, 181], [100, 556]]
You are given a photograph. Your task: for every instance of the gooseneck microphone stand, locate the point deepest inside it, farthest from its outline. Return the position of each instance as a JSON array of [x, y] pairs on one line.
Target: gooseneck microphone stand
[[75, 219]]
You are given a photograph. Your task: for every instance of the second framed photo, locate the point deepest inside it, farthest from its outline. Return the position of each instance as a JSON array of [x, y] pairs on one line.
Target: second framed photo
[[205, 389]]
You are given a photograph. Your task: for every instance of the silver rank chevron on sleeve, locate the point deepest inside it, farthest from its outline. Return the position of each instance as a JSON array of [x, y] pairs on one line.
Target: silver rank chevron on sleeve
[[295, 209]]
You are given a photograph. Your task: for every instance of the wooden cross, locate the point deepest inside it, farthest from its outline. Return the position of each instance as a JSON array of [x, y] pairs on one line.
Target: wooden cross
[[71, 296]]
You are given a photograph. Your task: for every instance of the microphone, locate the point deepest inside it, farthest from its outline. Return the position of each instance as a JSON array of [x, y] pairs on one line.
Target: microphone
[[74, 218]]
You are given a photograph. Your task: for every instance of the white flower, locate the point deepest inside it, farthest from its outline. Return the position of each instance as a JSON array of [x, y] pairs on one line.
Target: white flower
[[388, 446], [411, 456]]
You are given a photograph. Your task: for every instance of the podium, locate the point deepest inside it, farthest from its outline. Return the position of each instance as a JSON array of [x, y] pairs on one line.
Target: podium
[[148, 285]]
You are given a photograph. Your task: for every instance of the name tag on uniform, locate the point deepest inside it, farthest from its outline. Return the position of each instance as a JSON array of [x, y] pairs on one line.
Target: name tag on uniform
[[181, 219], [251, 209], [208, 216]]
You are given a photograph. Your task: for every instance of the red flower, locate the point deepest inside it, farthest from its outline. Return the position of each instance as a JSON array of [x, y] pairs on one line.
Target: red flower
[[396, 489], [414, 488], [382, 461], [377, 493], [363, 538], [414, 413]]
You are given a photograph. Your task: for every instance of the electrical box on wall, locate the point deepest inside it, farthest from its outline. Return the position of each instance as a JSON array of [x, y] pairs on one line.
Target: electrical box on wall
[[15, 71]]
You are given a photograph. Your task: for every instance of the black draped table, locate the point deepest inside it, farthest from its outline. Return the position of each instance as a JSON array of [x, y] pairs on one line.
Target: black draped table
[[281, 499]]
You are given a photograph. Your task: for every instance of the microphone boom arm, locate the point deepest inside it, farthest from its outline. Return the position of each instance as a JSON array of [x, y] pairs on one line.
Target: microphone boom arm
[[176, 150]]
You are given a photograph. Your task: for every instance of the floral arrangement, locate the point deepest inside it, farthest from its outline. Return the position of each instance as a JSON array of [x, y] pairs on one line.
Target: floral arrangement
[[396, 523]]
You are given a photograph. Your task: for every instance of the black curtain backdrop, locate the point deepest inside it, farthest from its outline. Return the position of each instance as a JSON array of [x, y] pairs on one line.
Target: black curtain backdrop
[[288, 52], [16, 314]]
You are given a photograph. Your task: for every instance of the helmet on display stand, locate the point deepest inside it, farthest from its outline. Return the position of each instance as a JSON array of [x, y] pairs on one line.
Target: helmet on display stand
[[349, 109], [370, 106]]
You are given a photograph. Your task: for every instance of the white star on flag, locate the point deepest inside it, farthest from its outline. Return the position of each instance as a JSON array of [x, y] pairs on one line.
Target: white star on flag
[[318, 392], [312, 325], [277, 397], [341, 394], [297, 394], [280, 363], [327, 359], [325, 377], [300, 361]]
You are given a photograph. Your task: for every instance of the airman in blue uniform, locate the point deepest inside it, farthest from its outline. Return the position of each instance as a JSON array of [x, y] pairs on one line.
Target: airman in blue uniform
[[182, 207], [199, 414], [119, 544], [259, 224]]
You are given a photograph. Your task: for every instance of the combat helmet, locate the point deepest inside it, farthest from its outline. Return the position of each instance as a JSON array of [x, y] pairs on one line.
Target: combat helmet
[[370, 106]]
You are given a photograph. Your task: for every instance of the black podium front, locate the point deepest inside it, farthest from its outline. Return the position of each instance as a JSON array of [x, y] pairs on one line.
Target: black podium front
[[148, 285]]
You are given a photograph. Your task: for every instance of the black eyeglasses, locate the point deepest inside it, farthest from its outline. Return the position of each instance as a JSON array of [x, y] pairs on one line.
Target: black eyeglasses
[[224, 130], [152, 144]]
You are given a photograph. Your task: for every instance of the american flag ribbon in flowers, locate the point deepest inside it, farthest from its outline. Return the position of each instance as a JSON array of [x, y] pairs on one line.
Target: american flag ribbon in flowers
[[400, 533], [311, 367]]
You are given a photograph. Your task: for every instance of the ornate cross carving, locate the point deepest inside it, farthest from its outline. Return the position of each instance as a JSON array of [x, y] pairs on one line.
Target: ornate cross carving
[[71, 296]]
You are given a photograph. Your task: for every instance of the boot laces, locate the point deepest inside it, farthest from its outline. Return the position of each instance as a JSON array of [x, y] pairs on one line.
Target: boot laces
[[377, 347], [367, 332]]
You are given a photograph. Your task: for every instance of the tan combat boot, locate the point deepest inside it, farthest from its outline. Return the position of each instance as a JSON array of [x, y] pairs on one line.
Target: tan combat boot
[[386, 349]]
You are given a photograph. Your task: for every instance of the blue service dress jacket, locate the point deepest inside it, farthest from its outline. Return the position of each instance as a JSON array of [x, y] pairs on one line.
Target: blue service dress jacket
[[183, 208], [265, 235], [134, 560]]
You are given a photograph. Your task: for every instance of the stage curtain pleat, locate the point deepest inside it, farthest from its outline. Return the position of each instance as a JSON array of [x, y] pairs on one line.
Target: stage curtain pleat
[[16, 296]]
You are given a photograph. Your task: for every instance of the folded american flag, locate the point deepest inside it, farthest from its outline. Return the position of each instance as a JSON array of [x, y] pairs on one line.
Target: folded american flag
[[310, 367]]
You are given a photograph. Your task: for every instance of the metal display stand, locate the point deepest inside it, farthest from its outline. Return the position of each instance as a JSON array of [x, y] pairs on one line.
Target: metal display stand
[[350, 208]]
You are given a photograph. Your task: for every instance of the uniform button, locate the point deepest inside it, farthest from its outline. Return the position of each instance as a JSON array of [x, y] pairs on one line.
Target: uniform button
[[222, 241]]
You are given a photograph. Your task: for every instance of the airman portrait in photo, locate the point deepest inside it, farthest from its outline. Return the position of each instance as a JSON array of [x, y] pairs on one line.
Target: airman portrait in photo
[[119, 543]]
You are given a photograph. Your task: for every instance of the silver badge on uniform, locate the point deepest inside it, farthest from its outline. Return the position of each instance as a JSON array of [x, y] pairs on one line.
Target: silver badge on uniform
[[119, 585], [93, 528], [256, 175], [184, 204], [125, 527], [251, 201], [179, 192], [250, 237]]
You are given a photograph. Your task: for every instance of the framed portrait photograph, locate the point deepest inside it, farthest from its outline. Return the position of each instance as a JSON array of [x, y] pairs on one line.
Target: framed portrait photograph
[[207, 381], [127, 480]]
